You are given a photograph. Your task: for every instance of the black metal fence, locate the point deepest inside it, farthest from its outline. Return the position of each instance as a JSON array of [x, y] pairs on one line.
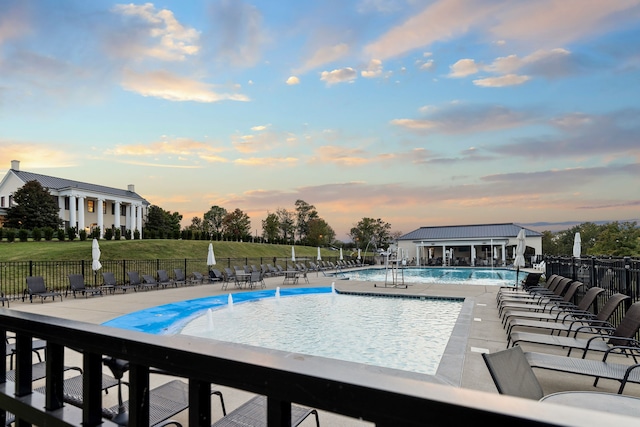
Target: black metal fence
[[13, 274]]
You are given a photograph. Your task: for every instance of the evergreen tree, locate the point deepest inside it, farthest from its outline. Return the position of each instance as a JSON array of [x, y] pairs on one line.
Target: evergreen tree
[[35, 208]]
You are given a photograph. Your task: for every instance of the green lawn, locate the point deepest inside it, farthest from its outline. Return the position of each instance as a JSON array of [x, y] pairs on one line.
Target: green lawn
[[149, 249]]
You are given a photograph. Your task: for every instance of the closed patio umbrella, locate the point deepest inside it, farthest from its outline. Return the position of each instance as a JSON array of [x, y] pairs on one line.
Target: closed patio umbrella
[[95, 255], [358, 253], [319, 258], [211, 258], [341, 258], [576, 245], [293, 254], [520, 247]]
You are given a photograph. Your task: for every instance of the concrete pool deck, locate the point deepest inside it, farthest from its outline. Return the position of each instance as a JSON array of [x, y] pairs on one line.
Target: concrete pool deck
[[462, 364]]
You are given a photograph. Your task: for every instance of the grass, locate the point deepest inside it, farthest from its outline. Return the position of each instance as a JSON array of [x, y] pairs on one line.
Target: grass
[[149, 249]]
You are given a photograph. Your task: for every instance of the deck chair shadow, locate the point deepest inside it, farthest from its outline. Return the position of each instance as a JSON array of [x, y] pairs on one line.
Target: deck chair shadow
[[254, 413], [77, 285], [109, 283], [37, 288], [603, 338]]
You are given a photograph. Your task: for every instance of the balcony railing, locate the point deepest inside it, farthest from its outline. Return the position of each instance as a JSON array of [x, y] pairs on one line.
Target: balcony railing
[[376, 395]]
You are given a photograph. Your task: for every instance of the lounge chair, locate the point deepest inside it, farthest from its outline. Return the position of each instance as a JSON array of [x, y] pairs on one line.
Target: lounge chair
[[110, 283], [39, 371], [254, 413], [180, 278], [36, 346], [164, 280], [72, 388], [555, 312], [512, 374], [574, 320], [215, 275], [605, 338], [76, 284], [545, 304], [623, 373], [534, 287], [149, 282], [36, 287], [199, 277], [520, 303]]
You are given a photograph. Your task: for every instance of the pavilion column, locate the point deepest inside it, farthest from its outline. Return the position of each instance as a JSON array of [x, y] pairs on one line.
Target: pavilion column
[[128, 215], [72, 211], [504, 254], [61, 207], [444, 255], [472, 251], [101, 217]]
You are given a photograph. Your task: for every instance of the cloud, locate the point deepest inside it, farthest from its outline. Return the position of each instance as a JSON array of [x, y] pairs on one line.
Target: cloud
[[263, 140], [374, 69], [33, 155], [463, 68], [458, 118], [502, 81], [324, 55], [267, 161], [159, 34], [293, 80], [165, 85], [342, 75], [177, 150]]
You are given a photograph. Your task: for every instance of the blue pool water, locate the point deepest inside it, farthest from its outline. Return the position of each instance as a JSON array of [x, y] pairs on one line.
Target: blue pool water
[[464, 276], [410, 334]]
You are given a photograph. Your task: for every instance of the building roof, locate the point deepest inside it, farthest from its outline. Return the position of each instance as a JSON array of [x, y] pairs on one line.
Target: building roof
[[480, 231], [60, 184]]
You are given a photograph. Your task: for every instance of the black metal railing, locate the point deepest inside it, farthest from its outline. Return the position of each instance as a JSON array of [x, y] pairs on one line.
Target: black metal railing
[[375, 395]]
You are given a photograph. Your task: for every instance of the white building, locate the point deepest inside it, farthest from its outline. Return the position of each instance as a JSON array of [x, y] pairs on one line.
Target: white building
[[81, 205], [483, 244]]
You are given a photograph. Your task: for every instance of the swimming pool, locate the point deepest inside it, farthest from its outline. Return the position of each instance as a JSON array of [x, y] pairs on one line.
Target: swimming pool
[[464, 276], [407, 337]]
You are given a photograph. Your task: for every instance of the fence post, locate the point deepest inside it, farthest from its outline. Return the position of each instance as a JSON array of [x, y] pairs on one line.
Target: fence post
[[627, 276]]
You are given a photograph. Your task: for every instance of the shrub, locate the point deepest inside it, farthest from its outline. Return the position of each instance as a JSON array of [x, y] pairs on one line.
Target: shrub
[[36, 234], [11, 235], [48, 233], [1, 232], [127, 234], [61, 234], [136, 234], [83, 235], [23, 235], [71, 233], [118, 233], [108, 234], [95, 233]]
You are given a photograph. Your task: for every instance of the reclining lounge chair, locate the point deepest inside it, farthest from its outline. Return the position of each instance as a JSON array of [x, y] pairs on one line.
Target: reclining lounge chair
[[36, 287]]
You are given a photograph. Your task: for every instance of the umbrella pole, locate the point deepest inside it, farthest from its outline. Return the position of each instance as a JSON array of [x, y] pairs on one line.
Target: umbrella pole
[[517, 275]]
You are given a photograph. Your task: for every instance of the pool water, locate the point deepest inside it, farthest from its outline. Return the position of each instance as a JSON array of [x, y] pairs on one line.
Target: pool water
[[401, 333], [464, 276]]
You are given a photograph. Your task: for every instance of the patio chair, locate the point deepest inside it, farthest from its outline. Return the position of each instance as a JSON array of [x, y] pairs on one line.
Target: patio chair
[[215, 275], [4, 299], [546, 304], [556, 312], [570, 322], [72, 388], [256, 279], [77, 285], [36, 287], [547, 287], [512, 374], [164, 280], [36, 346], [254, 413], [110, 283], [165, 401], [180, 278], [199, 277], [149, 282], [520, 303], [604, 338]]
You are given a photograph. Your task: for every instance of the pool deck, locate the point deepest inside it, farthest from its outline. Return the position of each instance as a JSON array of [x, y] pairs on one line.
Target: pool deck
[[480, 331]]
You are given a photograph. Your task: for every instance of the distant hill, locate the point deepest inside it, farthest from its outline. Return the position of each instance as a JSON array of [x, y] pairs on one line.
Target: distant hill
[[561, 226]]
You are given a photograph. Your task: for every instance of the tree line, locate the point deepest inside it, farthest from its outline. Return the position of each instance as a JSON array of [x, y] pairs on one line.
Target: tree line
[[611, 239]]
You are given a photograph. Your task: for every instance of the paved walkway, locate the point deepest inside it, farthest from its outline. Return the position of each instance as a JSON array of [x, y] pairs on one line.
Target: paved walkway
[[483, 331]]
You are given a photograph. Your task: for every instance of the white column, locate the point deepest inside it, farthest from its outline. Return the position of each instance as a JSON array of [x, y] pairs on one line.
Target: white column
[[61, 207], [116, 220], [128, 213], [81, 208], [473, 259], [101, 217], [139, 219], [504, 254], [72, 211], [444, 255], [418, 255]]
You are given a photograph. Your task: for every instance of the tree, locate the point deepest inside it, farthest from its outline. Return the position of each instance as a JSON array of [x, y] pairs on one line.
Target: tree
[[285, 219], [304, 213], [270, 227], [162, 224], [35, 207], [618, 239], [237, 225], [371, 232], [214, 221], [319, 232]]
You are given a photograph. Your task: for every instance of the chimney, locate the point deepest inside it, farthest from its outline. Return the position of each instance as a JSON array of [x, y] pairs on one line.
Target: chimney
[[15, 165], [131, 188]]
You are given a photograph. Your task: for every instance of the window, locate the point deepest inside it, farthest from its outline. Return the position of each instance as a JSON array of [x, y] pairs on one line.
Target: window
[[123, 210], [2, 202], [90, 206], [66, 203], [104, 207], [113, 209]]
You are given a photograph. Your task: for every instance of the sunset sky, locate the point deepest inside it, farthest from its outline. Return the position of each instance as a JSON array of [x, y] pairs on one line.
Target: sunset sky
[[418, 112]]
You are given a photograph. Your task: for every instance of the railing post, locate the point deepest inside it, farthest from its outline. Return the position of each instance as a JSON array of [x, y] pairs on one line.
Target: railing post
[[138, 395], [278, 412], [91, 389], [54, 387], [626, 277], [199, 403]]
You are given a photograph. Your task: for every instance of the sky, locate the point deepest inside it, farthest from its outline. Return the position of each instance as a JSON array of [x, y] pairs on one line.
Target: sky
[[417, 112]]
